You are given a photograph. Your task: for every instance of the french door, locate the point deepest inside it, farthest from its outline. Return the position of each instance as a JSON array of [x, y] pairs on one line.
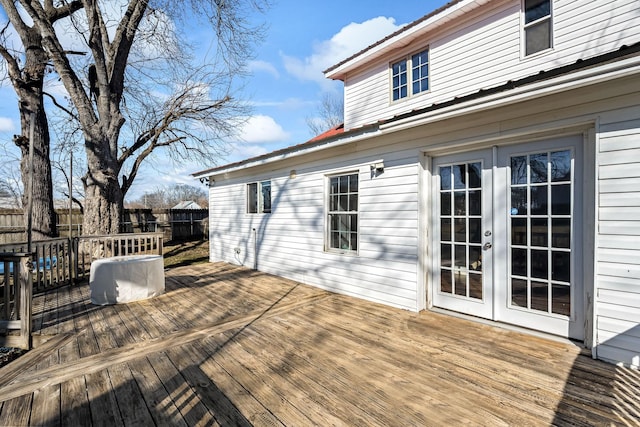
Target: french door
[[505, 243]]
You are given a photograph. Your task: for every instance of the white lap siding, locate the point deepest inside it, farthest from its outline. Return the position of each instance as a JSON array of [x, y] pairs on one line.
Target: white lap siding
[[290, 241], [485, 50], [618, 237]]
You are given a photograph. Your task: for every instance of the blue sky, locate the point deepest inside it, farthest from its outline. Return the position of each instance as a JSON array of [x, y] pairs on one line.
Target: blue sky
[[286, 83]]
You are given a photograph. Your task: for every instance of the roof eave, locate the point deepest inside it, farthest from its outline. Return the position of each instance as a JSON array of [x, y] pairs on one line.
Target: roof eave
[[403, 36], [310, 146]]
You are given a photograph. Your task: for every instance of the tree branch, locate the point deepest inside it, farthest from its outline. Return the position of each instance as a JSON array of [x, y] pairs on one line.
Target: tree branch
[[55, 102]]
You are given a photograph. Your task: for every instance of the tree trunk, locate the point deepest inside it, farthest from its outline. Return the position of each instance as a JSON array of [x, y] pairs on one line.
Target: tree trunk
[[43, 217], [103, 196], [29, 88]]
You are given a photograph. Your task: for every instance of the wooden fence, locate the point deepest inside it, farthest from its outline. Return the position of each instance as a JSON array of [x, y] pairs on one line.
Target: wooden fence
[[175, 224], [55, 262]]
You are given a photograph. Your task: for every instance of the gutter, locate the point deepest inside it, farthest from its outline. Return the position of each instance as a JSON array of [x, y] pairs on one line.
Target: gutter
[[363, 134]]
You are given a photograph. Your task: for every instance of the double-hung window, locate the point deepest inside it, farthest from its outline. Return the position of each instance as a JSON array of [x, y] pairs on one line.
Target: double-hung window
[[343, 213], [414, 67], [537, 26], [259, 197]]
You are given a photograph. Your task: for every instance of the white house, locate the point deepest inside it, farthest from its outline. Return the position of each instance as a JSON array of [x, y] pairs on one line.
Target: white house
[[489, 166]]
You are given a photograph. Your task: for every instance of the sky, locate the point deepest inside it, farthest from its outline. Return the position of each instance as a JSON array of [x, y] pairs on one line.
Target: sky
[[286, 82]]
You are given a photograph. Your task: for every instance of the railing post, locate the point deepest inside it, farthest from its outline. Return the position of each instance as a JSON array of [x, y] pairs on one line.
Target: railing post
[[23, 276]]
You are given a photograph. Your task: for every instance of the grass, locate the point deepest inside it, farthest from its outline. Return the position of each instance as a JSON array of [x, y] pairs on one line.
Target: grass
[[177, 254]]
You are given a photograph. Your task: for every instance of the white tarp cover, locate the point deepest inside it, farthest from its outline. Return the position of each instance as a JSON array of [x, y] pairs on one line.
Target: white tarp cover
[[125, 279]]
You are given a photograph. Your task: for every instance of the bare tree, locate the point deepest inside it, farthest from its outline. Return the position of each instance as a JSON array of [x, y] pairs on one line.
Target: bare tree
[[330, 113], [98, 100], [26, 66], [191, 123]]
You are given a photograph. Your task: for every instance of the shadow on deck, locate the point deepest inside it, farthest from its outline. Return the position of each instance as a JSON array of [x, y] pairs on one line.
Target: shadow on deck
[[229, 346]]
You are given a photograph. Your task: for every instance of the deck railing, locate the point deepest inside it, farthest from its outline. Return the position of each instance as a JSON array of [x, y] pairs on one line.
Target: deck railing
[[15, 300], [52, 263], [91, 248]]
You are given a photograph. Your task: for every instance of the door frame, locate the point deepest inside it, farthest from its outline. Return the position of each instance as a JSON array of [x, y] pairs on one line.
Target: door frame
[[588, 203]]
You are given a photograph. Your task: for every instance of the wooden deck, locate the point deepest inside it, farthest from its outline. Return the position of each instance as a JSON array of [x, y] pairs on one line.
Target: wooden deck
[[228, 346]]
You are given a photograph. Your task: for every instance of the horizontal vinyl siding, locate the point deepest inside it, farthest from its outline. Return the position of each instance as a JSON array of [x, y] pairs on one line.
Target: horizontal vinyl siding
[[291, 240], [484, 51], [618, 252]]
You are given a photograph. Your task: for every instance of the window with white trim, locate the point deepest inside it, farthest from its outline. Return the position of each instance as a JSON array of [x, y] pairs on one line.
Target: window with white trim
[[259, 197], [537, 26], [342, 217], [418, 65]]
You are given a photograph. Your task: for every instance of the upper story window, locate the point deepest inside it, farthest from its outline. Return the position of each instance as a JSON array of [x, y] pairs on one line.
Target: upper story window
[[259, 197], [342, 218], [418, 65], [537, 25]]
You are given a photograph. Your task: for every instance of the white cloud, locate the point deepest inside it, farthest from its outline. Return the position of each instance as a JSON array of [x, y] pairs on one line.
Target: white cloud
[[349, 40], [263, 66], [261, 129], [6, 124], [286, 104], [246, 151]]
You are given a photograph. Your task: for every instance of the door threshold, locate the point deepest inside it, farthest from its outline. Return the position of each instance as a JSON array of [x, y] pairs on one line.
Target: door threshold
[[579, 344]]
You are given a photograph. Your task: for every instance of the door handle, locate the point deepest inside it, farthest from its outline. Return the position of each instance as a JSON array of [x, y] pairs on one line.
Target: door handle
[[487, 246]]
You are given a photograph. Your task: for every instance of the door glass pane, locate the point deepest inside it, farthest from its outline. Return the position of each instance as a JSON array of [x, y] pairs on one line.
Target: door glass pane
[[460, 203], [561, 266], [445, 203], [460, 230], [460, 176], [475, 202], [561, 199], [445, 229], [475, 230], [561, 166], [518, 231], [445, 281], [445, 255], [561, 299], [561, 233], [539, 296], [475, 175], [541, 231], [475, 258], [445, 178], [538, 167], [460, 256], [519, 293], [519, 170], [461, 222], [475, 286], [519, 262], [519, 201], [539, 264], [539, 201]]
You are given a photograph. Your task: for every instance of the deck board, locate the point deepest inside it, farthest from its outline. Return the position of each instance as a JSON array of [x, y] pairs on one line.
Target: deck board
[[225, 345]]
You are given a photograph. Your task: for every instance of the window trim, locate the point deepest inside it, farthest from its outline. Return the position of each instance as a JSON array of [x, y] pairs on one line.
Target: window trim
[[526, 25], [259, 196], [328, 213], [408, 60]]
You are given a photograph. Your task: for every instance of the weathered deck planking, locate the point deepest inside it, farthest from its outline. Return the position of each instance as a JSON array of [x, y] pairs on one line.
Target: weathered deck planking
[[230, 346]]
